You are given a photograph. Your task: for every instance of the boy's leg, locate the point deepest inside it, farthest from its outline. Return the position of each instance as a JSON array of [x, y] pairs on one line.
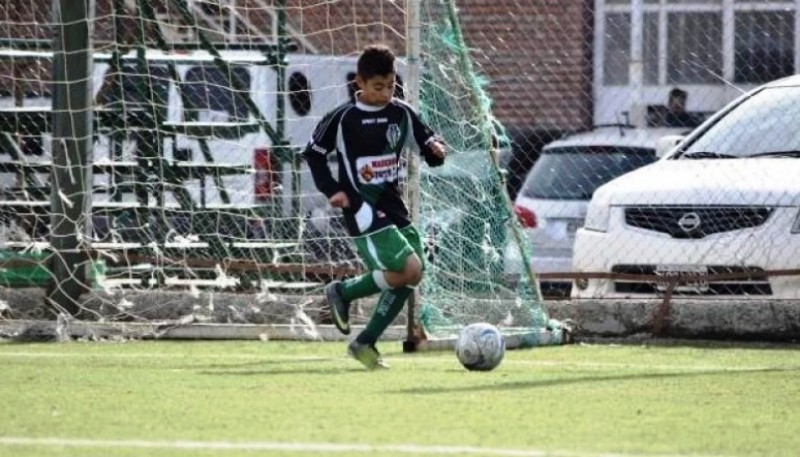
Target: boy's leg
[[363, 348], [391, 301], [390, 304], [411, 234], [379, 251], [363, 285], [339, 294], [369, 248], [385, 249]]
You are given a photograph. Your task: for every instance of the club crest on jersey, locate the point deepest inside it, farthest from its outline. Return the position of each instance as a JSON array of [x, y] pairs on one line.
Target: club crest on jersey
[[377, 169], [393, 135]]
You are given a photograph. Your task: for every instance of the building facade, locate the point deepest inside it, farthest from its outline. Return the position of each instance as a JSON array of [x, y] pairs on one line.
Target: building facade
[[551, 64], [712, 49]]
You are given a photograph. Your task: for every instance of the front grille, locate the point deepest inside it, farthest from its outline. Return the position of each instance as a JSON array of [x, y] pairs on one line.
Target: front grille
[[695, 221], [740, 286]]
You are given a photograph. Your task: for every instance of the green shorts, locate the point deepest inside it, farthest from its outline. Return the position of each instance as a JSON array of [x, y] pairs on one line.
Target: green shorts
[[388, 248]]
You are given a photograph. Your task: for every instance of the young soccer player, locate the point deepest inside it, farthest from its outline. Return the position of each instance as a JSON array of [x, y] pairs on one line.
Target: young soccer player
[[368, 136]]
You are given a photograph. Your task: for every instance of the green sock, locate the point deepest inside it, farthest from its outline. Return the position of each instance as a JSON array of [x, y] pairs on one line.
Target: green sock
[[389, 306], [358, 287]]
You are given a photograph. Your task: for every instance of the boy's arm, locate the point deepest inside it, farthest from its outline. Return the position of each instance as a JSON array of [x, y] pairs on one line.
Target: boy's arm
[[322, 143], [431, 146]]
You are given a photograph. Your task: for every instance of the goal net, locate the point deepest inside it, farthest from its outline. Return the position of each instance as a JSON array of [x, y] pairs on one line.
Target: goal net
[[465, 209], [186, 201]]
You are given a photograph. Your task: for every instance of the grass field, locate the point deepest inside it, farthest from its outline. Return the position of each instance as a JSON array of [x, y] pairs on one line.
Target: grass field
[[307, 399]]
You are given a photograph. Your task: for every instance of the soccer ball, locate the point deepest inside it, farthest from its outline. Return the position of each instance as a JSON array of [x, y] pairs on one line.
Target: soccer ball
[[480, 347]]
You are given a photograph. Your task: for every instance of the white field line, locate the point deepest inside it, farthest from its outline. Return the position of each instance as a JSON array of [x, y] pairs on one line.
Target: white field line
[[323, 448], [394, 359]]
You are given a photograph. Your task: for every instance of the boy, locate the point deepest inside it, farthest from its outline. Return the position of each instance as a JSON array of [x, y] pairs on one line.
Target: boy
[[368, 136]]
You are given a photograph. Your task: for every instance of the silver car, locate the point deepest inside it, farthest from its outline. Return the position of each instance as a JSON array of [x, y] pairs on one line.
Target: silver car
[[552, 202]]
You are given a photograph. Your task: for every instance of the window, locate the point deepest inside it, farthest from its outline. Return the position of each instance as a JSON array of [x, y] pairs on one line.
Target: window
[[651, 63], [617, 41], [763, 45], [694, 42], [694, 48], [136, 87], [299, 93], [761, 124], [210, 99], [574, 173], [618, 45]]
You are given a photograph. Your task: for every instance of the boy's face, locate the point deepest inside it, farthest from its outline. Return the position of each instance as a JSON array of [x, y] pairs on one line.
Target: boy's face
[[377, 90]]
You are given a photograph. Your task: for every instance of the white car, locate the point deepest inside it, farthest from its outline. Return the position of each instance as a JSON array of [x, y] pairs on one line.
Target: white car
[[552, 201], [720, 211]]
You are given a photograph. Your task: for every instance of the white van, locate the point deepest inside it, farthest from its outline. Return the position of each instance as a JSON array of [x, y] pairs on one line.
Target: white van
[[243, 153], [314, 85]]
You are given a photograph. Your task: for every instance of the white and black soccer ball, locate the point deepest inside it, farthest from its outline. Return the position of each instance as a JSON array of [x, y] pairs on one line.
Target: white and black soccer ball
[[480, 347]]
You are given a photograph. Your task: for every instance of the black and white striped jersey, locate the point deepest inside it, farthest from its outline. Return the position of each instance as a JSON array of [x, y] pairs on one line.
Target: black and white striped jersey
[[368, 142]]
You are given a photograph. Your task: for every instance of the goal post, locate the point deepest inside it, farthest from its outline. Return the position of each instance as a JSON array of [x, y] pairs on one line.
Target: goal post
[[71, 143], [413, 56], [465, 284], [198, 209]]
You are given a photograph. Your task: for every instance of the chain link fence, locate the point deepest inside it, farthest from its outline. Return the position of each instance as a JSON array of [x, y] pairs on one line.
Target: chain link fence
[[201, 106]]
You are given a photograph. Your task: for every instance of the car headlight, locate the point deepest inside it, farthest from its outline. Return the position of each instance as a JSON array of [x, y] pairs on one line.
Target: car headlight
[[796, 225], [597, 218]]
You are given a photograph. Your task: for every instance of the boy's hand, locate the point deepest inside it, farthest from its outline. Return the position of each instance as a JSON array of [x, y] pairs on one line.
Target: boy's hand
[[339, 200], [438, 149]]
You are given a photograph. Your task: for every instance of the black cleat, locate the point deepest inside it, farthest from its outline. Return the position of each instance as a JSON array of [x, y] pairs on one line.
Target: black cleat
[[340, 308]]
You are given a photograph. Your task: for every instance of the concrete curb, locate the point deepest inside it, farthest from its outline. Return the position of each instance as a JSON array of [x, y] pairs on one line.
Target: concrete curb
[[745, 319], [774, 320]]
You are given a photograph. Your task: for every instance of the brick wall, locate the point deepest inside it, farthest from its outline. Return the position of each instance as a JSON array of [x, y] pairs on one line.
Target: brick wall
[[346, 26], [535, 53]]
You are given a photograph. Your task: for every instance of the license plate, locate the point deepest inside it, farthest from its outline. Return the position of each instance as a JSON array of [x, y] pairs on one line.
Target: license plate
[[691, 275]]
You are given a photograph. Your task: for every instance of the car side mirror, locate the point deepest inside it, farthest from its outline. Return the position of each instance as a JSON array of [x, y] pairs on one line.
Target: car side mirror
[[666, 143]]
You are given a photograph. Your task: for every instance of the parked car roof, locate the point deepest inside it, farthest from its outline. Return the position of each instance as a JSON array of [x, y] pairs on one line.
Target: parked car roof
[[622, 136], [793, 80]]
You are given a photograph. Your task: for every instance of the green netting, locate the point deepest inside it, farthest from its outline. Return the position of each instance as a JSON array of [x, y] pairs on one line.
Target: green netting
[[465, 211]]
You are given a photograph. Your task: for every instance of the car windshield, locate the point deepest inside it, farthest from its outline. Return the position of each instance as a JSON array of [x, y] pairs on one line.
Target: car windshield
[[574, 173], [764, 125]]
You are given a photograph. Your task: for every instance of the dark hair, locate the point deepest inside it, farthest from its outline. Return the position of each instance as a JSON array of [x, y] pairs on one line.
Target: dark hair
[[375, 60], [678, 93]]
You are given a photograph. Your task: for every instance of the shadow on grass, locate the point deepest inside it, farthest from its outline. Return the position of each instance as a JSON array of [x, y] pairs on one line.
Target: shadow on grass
[[258, 363], [274, 367], [299, 371], [534, 384]]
